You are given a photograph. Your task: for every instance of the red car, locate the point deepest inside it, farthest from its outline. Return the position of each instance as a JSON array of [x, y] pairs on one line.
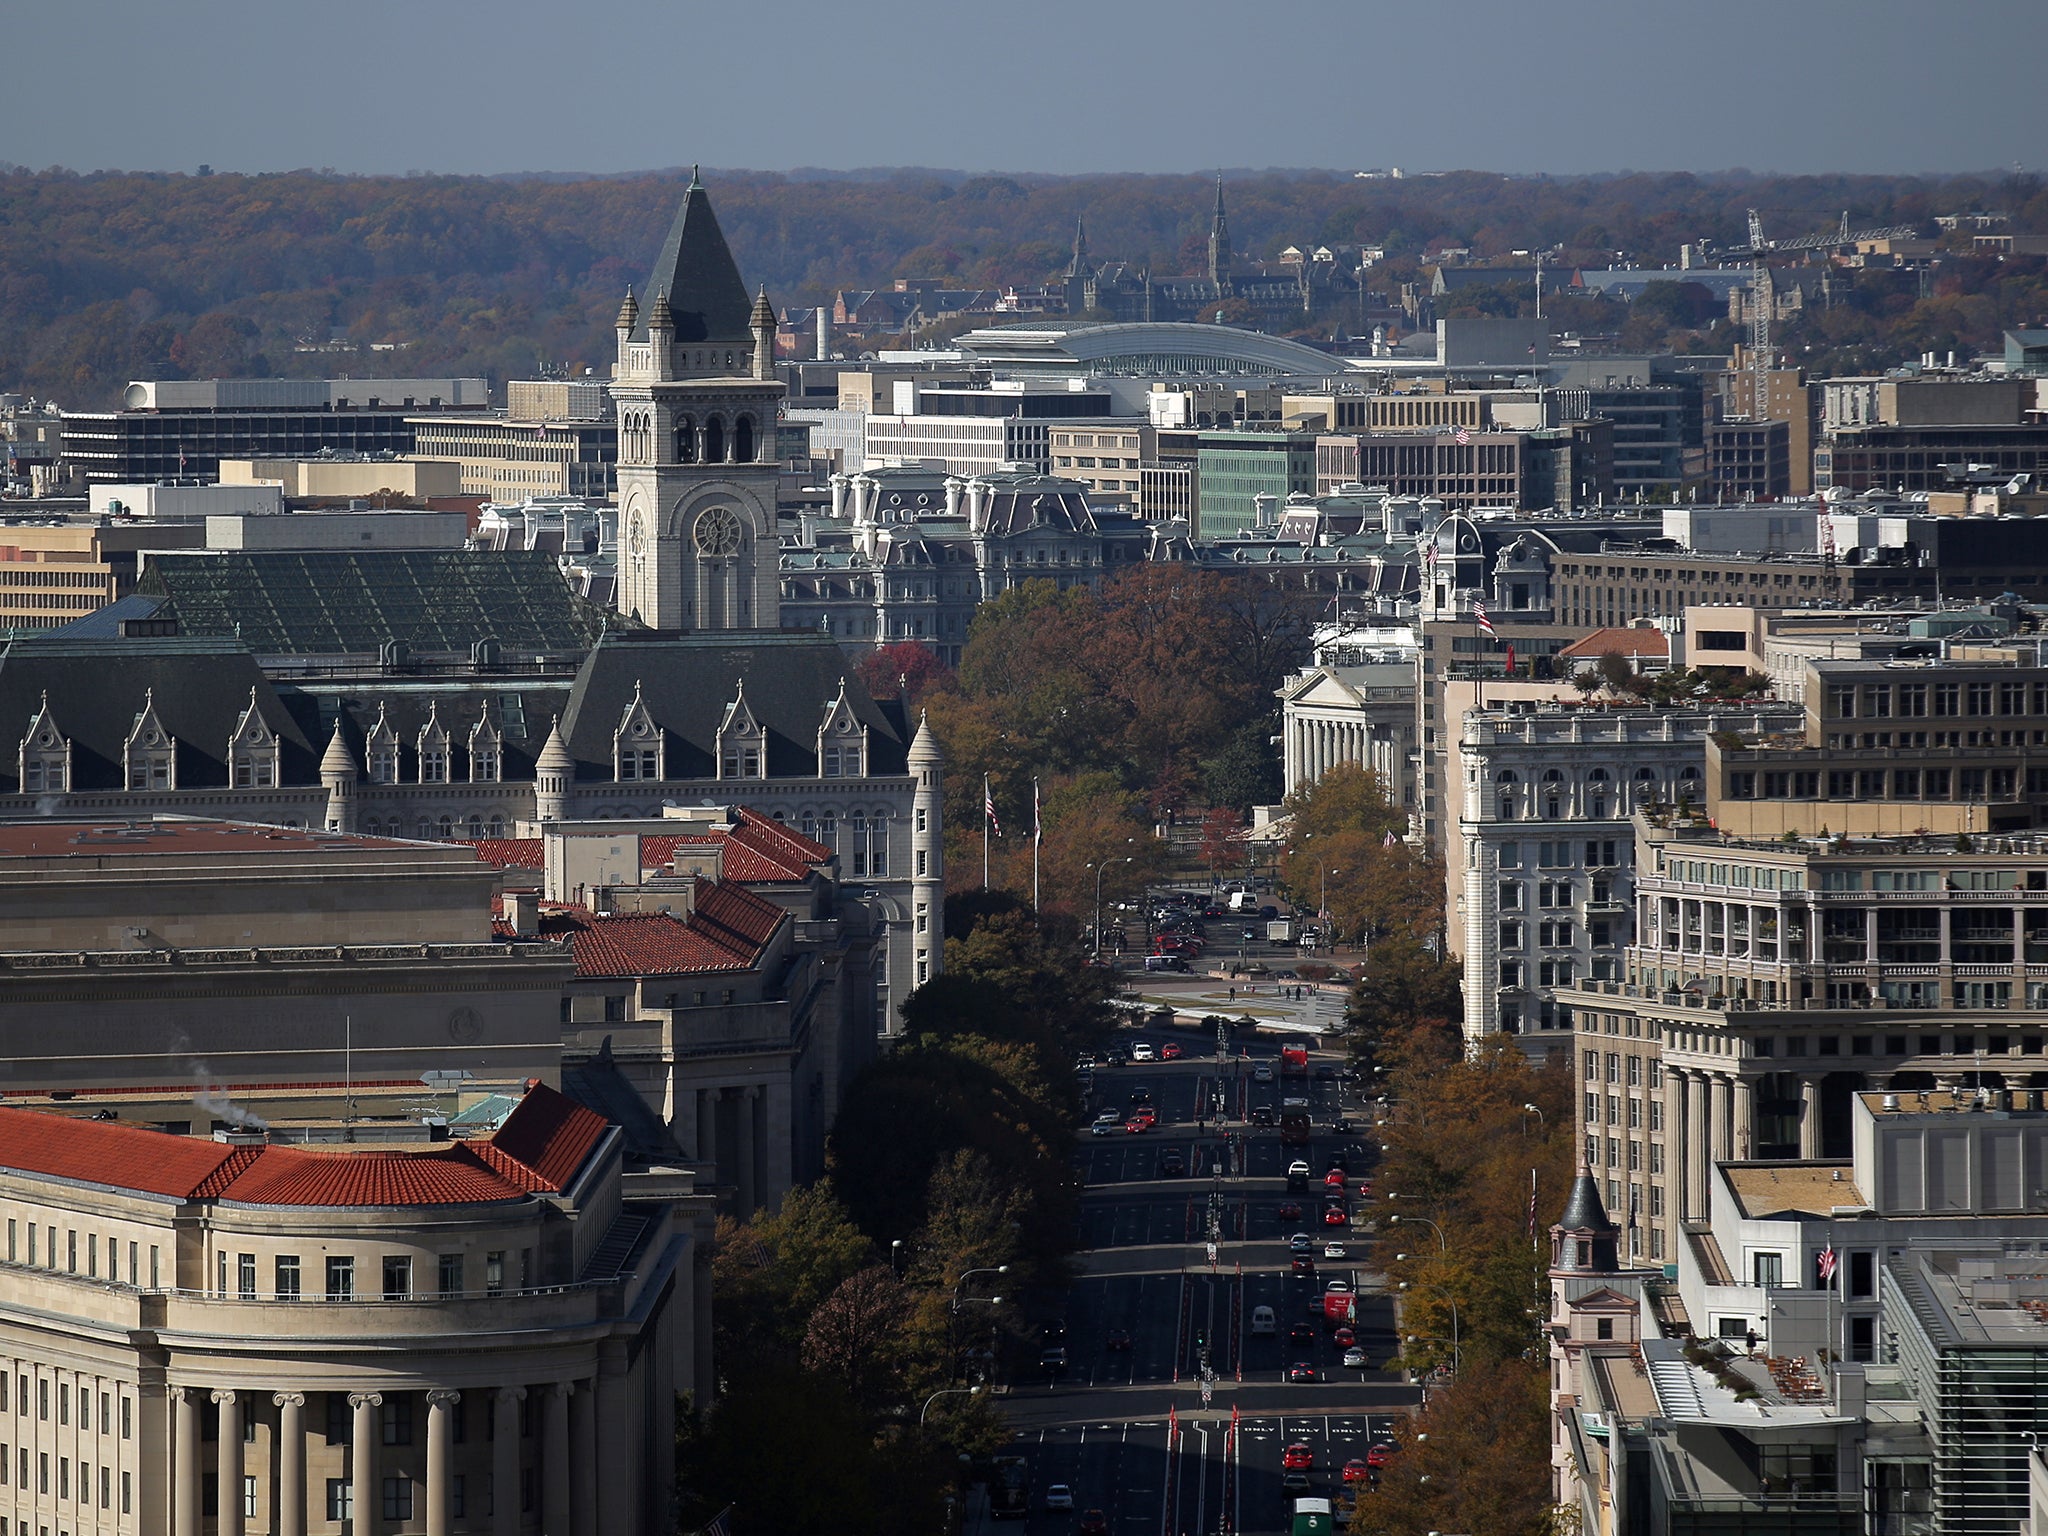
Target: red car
[[1377, 1456], [1137, 1125], [1334, 1179], [1093, 1523], [1335, 1216], [1345, 1338], [1169, 1052], [1289, 1210], [1297, 1458], [1356, 1471]]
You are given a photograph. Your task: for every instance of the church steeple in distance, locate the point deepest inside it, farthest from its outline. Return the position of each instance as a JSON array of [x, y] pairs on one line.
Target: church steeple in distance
[[1219, 242], [1078, 267]]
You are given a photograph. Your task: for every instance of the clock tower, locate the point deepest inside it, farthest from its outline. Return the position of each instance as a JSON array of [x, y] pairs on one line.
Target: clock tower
[[697, 401]]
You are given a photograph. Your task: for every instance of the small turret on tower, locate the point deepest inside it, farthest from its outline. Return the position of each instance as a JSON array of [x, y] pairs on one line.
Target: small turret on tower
[[762, 322]]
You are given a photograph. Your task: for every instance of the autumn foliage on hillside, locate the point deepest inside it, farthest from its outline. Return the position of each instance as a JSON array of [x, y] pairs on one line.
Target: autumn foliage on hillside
[[110, 276]]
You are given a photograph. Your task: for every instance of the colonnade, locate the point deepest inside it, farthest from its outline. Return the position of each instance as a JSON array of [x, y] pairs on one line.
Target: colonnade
[[1712, 1119], [581, 1425], [1316, 746]]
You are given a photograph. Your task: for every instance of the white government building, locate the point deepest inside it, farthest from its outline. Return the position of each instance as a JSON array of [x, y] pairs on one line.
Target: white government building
[[243, 1335]]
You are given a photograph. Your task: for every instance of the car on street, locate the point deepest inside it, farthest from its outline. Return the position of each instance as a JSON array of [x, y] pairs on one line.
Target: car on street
[[1335, 1251], [1138, 1125], [1301, 1370], [1334, 1179], [1305, 1265], [1263, 1072], [1335, 1216], [1379, 1454], [1054, 1363], [1356, 1471], [1212, 910], [1338, 1287], [1340, 1160], [1262, 1320], [1301, 1242], [1325, 1073], [1257, 969], [1117, 1339], [1267, 914], [1262, 1114], [1059, 1496], [1140, 1094], [1295, 1484], [1093, 1523], [1172, 1163], [1354, 1358], [1297, 1169], [1249, 935], [1289, 1210], [1297, 1458], [1143, 1051], [1344, 1338], [1301, 1333], [1169, 1052]]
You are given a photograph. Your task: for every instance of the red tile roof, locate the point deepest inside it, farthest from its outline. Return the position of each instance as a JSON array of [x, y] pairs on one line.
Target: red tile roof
[[1632, 640], [545, 1140], [509, 852], [539, 1149]]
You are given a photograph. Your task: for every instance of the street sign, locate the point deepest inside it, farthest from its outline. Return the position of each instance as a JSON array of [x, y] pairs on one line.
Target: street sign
[[1212, 1253]]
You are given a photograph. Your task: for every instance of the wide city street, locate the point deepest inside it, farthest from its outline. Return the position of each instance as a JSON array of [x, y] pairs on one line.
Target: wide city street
[[1194, 1346]]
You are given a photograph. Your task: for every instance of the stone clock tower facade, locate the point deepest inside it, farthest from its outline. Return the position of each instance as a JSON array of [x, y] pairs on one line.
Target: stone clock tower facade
[[697, 401]]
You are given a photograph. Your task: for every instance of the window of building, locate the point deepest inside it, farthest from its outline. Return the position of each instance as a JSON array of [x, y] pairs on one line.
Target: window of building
[[397, 1277], [245, 1276], [450, 1275], [340, 1505], [341, 1277], [395, 1419], [287, 1275]]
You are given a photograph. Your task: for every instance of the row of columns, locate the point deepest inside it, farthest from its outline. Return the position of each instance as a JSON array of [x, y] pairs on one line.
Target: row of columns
[[1316, 746], [744, 1131], [581, 1494], [1712, 1116]]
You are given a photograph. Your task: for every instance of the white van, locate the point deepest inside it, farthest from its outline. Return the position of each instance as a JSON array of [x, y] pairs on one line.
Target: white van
[[1243, 901], [1262, 1320]]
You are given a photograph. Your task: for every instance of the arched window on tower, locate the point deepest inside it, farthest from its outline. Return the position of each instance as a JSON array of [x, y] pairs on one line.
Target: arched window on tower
[[686, 440], [743, 440], [714, 441]]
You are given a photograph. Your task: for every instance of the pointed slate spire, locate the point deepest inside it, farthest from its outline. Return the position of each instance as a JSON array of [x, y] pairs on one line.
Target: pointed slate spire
[[629, 312], [661, 318], [696, 270], [1584, 1211], [763, 317]]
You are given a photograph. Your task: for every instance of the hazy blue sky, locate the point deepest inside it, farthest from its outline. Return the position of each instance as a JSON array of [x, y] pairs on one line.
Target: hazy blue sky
[[1046, 85]]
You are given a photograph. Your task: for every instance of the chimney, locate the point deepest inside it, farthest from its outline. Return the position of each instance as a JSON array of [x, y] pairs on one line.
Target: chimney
[[824, 333], [522, 911]]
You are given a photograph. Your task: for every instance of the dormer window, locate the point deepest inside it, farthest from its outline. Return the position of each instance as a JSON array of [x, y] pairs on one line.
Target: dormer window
[[252, 750], [433, 749], [842, 740], [380, 751], [150, 753], [486, 754], [45, 755], [637, 745], [742, 741]]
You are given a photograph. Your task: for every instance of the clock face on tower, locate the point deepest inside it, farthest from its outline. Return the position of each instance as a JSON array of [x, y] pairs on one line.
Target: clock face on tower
[[717, 532]]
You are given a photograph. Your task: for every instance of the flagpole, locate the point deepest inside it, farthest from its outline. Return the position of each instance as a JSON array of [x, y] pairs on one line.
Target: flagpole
[[1037, 837], [984, 831]]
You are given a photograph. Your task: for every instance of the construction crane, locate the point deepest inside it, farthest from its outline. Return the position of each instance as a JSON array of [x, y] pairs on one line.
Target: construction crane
[[1760, 297]]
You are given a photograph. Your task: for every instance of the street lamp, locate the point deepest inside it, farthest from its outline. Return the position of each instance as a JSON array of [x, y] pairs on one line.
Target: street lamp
[[944, 1392], [994, 1269], [1541, 1118], [1443, 1243], [1099, 866]]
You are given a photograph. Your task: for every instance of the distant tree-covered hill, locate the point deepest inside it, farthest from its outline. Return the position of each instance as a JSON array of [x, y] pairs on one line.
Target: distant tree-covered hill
[[112, 276]]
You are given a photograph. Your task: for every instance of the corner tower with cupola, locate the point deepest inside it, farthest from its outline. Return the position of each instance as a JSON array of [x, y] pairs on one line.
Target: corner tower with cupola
[[697, 401]]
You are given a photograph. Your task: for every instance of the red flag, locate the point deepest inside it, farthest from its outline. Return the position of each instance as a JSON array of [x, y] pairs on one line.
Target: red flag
[[1511, 661]]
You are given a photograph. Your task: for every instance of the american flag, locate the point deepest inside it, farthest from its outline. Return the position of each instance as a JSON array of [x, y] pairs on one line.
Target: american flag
[[1037, 827], [988, 807], [1827, 1265], [1464, 435], [721, 1523], [1388, 840], [1532, 1206], [1479, 617]]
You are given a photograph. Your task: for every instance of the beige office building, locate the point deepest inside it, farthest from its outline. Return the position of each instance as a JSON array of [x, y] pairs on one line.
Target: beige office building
[[251, 1334], [350, 477], [50, 575]]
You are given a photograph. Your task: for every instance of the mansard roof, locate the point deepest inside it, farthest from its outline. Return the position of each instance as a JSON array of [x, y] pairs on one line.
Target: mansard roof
[[696, 271], [687, 681], [436, 602], [520, 708], [200, 689]]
